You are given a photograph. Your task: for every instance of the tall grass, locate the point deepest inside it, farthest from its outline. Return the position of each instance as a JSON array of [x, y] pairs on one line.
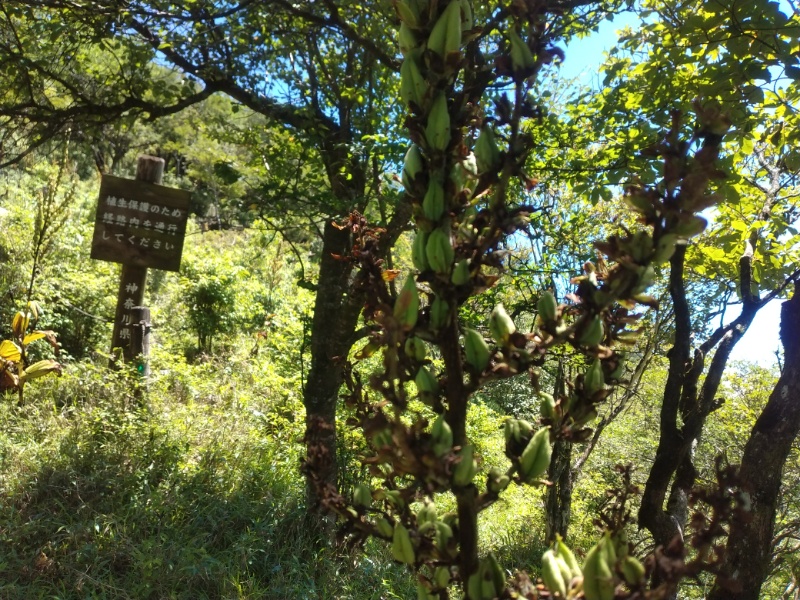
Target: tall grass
[[194, 493]]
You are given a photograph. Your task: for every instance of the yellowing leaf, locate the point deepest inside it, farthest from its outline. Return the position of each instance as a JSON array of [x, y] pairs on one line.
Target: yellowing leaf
[[34, 310], [32, 337], [367, 350], [49, 336], [9, 351], [20, 324]]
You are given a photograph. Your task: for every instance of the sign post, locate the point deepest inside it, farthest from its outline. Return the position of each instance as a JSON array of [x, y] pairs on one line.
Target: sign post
[[140, 224], [140, 339]]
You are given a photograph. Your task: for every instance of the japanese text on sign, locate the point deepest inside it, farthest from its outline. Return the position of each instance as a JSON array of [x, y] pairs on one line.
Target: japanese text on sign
[[140, 224]]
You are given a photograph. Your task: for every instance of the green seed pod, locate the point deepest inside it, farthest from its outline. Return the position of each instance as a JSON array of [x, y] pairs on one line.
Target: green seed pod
[[407, 40], [439, 251], [565, 573], [444, 533], [593, 334], [563, 552], [445, 36], [440, 313], [521, 56], [496, 480], [690, 226], [406, 307], [423, 593], [647, 277], [384, 527], [548, 307], [487, 154], [437, 130], [407, 13], [415, 348], [474, 587], [632, 570], [497, 574], [665, 248], [588, 417], [593, 379], [453, 38], [418, 255], [511, 431], [460, 274], [535, 459], [441, 577], [412, 166], [598, 576], [426, 382], [394, 497], [466, 468], [617, 373], [501, 326], [426, 513], [442, 436], [413, 86], [467, 19], [641, 246], [402, 548], [547, 406], [489, 588], [552, 575], [639, 202], [476, 350], [433, 203], [525, 428]]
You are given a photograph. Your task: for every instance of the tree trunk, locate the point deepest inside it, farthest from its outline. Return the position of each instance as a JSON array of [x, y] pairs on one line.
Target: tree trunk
[[335, 317], [558, 504], [672, 445], [747, 557], [686, 404]]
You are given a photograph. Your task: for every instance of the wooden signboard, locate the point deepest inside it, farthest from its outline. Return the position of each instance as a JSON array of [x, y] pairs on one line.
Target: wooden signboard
[[140, 224]]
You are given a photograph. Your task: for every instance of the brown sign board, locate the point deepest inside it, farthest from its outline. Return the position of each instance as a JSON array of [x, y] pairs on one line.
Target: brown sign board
[[140, 224]]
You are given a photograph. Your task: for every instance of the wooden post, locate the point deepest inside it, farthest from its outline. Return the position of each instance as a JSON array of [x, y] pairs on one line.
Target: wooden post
[[132, 280], [140, 339]]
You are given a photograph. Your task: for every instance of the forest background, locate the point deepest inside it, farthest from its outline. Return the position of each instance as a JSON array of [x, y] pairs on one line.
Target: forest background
[[281, 120]]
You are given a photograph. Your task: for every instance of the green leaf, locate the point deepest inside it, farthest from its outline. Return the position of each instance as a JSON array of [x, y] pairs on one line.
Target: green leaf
[[793, 72], [792, 160], [40, 369]]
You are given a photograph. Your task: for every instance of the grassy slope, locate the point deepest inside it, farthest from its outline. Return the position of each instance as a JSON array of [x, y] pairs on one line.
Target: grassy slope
[[191, 496]]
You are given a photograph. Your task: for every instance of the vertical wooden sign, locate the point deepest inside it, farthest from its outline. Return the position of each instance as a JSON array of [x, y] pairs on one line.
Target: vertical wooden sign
[[140, 224]]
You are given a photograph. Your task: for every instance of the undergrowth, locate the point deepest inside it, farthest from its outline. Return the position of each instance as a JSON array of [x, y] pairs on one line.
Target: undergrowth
[[188, 494]]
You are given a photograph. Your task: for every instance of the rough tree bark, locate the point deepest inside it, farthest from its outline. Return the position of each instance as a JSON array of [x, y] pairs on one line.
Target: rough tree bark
[[563, 472], [687, 402], [686, 405], [337, 308], [335, 316], [749, 549], [558, 502]]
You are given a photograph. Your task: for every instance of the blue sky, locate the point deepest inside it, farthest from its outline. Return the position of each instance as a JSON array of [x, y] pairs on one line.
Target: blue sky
[[582, 61], [583, 57]]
